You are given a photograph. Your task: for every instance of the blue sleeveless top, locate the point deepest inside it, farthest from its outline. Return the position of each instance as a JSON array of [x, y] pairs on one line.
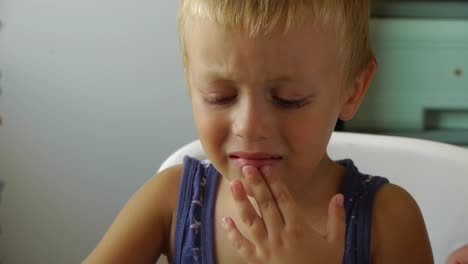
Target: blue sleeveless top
[[194, 241]]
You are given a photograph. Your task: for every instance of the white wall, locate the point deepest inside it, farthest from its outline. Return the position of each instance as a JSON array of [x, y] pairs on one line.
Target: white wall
[[93, 100]]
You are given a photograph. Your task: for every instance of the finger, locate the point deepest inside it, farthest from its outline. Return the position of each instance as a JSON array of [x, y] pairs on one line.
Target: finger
[[265, 200], [283, 198], [247, 213], [238, 241], [459, 256], [336, 226]]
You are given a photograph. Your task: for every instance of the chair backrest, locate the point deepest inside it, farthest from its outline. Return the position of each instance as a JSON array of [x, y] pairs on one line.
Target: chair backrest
[[435, 174]]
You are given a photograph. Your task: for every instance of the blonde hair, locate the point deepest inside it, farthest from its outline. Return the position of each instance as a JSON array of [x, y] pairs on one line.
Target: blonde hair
[[349, 17]]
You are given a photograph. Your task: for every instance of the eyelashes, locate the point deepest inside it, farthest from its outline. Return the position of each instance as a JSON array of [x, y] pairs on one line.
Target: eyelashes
[[219, 100], [291, 104], [283, 103]]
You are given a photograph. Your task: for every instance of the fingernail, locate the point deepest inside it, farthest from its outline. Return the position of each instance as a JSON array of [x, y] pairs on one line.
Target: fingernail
[[340, 200], [225, 221], [266, 170], [247, 170], [236, 186]]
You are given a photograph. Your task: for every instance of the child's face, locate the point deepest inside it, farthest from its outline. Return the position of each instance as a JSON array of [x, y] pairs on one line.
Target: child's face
[[276, 97]]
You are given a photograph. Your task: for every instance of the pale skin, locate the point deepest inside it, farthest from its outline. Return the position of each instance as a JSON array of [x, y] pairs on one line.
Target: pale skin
[[281, 234], [459, 256], [278, 94]]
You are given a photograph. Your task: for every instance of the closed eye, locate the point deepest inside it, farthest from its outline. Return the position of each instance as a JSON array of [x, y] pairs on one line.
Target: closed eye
[[291, 104], [219, 100]]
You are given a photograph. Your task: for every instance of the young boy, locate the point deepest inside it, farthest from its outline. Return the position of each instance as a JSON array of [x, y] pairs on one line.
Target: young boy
[[268, 79]]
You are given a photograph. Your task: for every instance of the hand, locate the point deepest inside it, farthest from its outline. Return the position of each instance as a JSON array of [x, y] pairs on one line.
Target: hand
[[281, 235], [460, 256]]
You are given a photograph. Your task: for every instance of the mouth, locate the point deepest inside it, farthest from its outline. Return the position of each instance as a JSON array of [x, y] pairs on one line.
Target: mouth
[[241, 159]]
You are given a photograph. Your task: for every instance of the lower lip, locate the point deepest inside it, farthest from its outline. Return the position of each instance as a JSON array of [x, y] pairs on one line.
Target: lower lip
[[240, 162]]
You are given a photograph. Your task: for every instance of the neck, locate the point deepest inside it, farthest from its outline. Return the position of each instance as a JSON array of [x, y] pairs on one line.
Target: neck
[[320, 186]]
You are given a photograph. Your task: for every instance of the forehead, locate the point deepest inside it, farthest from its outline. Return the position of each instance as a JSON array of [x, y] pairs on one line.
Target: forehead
[[213, 49]]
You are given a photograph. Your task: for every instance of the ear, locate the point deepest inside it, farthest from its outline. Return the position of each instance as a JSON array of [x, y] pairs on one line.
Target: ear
[[354, 95]]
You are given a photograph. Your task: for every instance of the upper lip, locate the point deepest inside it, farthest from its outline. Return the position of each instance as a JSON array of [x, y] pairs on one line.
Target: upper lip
[[252, 155]]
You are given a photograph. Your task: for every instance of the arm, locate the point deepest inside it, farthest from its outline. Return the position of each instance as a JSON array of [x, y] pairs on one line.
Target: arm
[[141, 231], [398, 231]]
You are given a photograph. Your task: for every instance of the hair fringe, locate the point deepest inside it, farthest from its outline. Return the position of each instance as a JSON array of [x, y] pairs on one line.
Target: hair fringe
[[255, 17]]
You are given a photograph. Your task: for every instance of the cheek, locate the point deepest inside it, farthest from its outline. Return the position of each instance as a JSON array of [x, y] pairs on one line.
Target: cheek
[[212, 125], [310, 131], [213, 128]]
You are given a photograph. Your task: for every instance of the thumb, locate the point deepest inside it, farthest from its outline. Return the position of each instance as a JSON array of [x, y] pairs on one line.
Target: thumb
[[336, 226]]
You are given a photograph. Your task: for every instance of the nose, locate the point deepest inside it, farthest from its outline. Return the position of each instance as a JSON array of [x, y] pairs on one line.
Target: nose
[[253, 120]]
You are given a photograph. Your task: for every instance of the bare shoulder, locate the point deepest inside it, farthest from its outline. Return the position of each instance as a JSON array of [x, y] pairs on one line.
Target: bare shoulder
[[399, 233], [141, 232]]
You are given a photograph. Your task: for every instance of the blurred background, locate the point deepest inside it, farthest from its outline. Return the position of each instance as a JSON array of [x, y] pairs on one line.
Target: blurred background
[[93, 98], [421, 87]]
